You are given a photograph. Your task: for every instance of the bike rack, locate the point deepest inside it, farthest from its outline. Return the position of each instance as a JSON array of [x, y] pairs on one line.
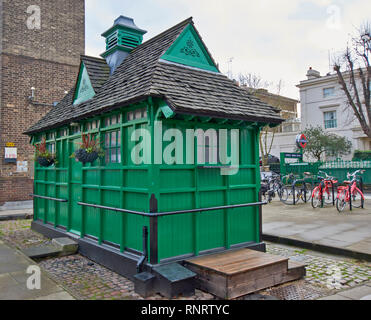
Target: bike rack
[[350, 198]]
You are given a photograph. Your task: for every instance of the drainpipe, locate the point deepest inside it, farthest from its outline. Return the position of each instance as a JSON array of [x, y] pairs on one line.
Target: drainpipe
[[144, 256]]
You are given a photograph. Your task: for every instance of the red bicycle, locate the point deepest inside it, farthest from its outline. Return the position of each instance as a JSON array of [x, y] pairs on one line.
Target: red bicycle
[[350, 193], [324, 192]]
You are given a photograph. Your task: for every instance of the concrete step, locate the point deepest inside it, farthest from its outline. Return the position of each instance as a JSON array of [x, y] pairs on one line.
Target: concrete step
[[59, 248], [44, 251], [67, 245]]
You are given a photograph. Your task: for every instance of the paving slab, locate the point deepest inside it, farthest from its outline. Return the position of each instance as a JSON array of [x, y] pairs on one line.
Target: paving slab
[[13, 278], [15, 214], [57, 296], [349, 231], [335, 297], [356, 293]]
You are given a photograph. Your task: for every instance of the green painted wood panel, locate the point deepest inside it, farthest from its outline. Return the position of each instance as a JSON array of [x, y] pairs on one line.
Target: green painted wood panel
[[210, 225], [75, 209], [176, 232], [62, 207], [75, 194], [111, 220], [242, 221], [51, 205], [134, 224]]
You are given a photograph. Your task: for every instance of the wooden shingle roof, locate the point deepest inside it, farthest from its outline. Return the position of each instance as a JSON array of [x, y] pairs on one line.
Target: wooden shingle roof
[[98, 71], [143, 74]]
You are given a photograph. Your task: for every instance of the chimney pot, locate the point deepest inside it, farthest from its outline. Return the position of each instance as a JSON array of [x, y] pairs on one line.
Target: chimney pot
[[313, 74]]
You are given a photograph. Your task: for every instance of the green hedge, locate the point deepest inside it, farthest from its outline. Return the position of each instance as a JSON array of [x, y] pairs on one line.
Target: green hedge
[[362, 155]]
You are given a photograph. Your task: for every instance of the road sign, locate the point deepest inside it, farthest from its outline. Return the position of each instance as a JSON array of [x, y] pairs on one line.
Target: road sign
[[301, 141]]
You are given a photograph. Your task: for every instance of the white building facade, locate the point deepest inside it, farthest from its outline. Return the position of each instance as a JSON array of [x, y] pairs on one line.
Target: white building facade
[[323, 103]]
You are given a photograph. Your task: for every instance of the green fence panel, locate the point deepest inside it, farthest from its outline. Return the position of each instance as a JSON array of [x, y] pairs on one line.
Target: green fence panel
[[340, 169]]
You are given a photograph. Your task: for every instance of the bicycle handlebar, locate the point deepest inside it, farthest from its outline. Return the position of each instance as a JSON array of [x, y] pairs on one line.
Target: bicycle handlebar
[[354, 174]]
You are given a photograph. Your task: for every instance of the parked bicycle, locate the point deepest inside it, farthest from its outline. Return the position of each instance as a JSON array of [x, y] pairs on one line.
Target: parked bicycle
[[325, 191], [298, 190], [272, 186], [350, 193]]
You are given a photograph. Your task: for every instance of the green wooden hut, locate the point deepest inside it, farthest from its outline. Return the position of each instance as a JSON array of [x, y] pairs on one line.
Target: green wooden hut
[[187, 206]]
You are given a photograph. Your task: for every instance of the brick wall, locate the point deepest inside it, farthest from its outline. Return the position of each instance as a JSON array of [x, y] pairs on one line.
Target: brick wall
[[61, 37], [46, 59]]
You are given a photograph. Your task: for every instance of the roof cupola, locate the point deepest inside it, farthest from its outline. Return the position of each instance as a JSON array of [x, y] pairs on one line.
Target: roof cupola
[[121, 39]]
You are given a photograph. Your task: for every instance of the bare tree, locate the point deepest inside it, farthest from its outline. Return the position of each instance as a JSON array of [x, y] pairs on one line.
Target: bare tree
[[268, 134], [355, 80], [252, 82]]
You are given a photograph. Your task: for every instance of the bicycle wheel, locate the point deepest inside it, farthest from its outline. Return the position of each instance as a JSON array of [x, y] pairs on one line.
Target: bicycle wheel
[[357, 199], [309, 190], [278, 188], [327, 197], [288, 195], [316, 198], [341, 201]]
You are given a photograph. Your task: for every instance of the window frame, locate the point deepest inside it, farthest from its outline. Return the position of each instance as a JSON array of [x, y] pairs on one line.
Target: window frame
[[328, 95], [334, 122], [117, 147]]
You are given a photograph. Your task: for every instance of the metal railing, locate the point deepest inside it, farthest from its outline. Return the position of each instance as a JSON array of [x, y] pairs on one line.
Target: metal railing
[[48, 198], [170, 213]]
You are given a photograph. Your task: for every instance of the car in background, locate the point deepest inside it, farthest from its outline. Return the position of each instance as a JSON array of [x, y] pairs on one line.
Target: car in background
[[271, 160]]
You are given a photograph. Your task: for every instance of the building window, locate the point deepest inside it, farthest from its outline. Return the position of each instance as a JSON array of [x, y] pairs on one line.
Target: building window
[[51, 147], [92, 125], [75, 129], [328, 92], [50, 136], [137, 114], [112, 144], [330, 120], [63, 133], [112, 120]]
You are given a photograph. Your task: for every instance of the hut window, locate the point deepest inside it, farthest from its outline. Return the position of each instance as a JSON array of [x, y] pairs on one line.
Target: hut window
[[63, 133], [113, 120], [112, 143], [50, 136], [137, 114], [75, 129], [92, 125], [51, 147]]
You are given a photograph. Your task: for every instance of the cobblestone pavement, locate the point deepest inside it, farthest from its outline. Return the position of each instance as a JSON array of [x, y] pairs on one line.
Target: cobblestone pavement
[[18, 233], [84, 279], [88, 280], [325, 270]]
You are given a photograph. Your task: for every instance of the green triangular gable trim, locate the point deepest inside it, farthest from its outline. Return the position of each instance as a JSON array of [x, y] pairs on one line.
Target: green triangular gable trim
[[84, 89], [189, 50]]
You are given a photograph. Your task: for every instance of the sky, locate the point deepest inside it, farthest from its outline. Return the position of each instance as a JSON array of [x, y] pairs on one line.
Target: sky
[[274, 39]]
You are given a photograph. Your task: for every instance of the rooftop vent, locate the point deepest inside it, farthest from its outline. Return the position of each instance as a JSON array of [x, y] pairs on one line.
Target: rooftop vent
[[121, 39]]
